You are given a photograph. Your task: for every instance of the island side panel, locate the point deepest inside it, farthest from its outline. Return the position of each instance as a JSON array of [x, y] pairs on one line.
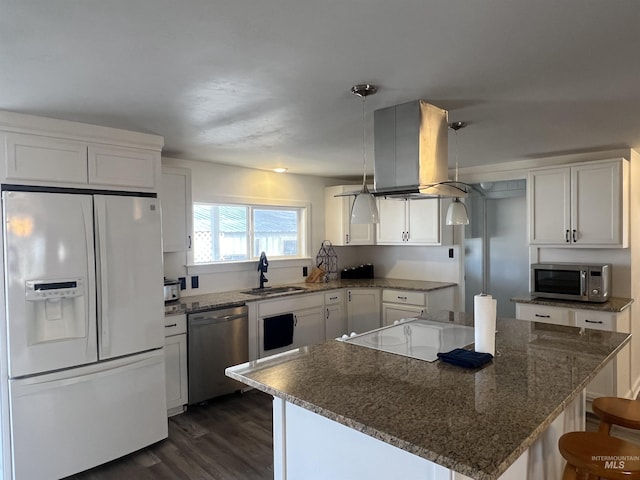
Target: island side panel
[[310, 446]]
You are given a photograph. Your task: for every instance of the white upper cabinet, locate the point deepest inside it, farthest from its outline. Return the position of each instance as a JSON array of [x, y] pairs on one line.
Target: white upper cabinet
[[337, 215], [175, 200], [48, 152], [34, 157], [580, 205], [414, 222], [124, 167]]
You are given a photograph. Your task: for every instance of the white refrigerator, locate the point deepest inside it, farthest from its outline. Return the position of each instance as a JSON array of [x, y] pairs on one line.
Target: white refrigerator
[[83, 334]]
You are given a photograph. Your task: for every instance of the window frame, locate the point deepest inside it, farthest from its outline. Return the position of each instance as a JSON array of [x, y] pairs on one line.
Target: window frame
[[304, 227]]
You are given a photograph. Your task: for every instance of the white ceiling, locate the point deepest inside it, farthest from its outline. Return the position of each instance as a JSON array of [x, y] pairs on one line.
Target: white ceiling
[[263, 83]]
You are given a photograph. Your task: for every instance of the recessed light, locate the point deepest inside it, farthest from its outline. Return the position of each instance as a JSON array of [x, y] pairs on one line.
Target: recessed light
[[280, 170]]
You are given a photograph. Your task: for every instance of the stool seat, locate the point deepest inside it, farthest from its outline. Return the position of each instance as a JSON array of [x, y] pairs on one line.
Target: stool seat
[[616, 411], [599, 455]]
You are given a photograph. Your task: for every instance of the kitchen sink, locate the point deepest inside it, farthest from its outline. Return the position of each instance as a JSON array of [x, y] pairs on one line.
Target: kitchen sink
[[271, 291]]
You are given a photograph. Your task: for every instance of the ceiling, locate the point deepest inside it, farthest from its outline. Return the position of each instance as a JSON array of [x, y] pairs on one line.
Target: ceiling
[[264, 83]]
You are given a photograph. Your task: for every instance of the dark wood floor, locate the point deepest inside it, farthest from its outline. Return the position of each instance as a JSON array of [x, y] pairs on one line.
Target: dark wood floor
[[228, 438]]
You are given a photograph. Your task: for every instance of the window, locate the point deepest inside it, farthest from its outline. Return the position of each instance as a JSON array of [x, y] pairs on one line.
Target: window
[[234, 232]]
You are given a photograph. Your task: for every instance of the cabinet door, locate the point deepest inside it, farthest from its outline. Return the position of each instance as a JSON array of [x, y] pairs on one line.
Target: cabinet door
[[596, 200], [337, 212], [441, 299], [175, 355], [309, 327], [423, 217], [391, 229], [32, 157], [123, 167], [175, 201], [549, 197], [335, 325], [363, 310], [392, 312]]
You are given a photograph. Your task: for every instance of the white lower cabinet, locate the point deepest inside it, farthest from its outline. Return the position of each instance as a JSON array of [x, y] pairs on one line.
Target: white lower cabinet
[[335, 320], [363, 309], [175, 361], [308, 321], [615, 378], [399, 304]]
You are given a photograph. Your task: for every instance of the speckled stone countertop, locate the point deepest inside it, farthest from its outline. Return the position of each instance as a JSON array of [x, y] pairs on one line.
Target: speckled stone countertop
[[475, 422], [199, 303], [614, 304]]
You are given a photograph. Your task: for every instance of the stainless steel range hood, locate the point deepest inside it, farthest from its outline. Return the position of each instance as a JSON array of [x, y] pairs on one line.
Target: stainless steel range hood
[[412, 152]]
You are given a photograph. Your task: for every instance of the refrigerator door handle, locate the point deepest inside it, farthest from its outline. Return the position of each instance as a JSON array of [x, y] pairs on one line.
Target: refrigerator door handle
[[103, 285], [90, 319]]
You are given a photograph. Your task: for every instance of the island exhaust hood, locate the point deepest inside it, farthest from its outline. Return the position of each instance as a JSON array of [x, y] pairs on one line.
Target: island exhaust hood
[[412, 152]]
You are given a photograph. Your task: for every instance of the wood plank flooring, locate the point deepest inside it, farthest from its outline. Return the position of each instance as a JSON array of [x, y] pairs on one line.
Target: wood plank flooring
[[226, 439]]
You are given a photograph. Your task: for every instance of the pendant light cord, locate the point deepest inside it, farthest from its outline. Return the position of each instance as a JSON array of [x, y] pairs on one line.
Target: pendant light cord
[[364, 147], [456, 132]]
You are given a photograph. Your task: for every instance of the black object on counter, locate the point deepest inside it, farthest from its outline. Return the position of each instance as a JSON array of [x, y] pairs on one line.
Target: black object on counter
[[363, 271], [278, 331], [465, 358]]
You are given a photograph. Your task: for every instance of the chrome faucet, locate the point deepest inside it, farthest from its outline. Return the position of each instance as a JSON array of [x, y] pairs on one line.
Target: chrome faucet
[[263, 265]]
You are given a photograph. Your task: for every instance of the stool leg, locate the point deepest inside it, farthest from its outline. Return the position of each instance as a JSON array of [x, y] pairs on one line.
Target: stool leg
[[604, 427], [569, 473]]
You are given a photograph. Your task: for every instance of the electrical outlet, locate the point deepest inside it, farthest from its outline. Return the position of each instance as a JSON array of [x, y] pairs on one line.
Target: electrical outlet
[[194, 282], [183, 283], [305, 271], [451, 253]]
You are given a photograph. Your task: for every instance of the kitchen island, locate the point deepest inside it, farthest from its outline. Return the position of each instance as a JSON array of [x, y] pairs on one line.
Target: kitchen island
[[347, 411]]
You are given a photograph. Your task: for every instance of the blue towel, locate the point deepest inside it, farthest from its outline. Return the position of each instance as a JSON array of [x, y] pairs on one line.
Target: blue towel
[[465, 358]]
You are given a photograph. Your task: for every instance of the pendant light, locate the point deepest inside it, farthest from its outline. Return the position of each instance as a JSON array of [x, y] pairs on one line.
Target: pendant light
[[457, 211], [364, 208]]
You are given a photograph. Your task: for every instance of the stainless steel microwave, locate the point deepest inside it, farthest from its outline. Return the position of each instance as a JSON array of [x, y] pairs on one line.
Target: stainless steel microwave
[[571, 281]]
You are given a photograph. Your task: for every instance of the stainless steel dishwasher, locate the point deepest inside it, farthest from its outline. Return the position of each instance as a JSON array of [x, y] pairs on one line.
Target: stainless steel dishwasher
[[217, 339]]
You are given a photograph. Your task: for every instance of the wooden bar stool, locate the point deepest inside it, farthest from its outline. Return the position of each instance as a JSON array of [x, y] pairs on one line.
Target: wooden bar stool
[[598, 456], [616, 411]]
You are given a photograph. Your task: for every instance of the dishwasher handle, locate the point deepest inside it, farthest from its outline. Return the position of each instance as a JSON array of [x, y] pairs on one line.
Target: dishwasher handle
[[211, 319]]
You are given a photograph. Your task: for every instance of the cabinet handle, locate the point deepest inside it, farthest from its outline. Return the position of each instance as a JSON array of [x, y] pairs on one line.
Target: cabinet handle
[[347, 237], [401, 298], [349, 294], [594, 321], [333, 298], [573, 236], [295, 320], [566, 236], [407, 236], [327, 314], [189, 241], [542, 316], [175, 325]]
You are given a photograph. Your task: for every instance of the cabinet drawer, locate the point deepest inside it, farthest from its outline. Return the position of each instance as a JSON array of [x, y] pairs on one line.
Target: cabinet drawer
[[288, 305], [596, 320], [175, 324], [405, 297], [333, 297], [539, 313]]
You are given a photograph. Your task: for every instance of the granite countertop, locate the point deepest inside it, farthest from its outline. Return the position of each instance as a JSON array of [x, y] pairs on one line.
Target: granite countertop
[[199, 303], [614, 304], [476, 422]]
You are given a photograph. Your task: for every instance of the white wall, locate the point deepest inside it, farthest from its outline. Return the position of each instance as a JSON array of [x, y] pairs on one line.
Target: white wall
[[406, 262], [213, 183]]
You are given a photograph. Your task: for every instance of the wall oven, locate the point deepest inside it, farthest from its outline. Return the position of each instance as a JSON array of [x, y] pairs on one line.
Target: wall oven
[[571, 281]]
